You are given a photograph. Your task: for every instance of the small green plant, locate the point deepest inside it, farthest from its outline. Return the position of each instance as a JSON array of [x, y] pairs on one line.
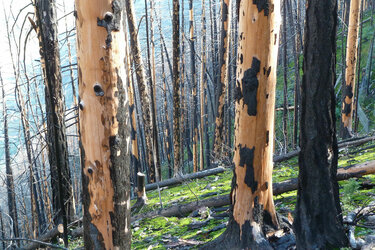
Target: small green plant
[[350, 188]]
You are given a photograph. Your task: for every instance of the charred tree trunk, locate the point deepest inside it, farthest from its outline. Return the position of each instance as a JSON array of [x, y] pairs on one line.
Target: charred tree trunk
[[358, 70], [135, 161], [296, 50], [318, 221], [184, 124], [285, 74], [176, 87], [144, 90], [221, 87], [151, 85], [56, 132], [252, 201], [168, 141], [2, 229], [12, 206], [104, 128], [351, 61], [203, 94], [194, 87]]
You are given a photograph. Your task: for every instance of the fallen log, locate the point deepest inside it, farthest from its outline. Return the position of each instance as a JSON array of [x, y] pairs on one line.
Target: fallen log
[[224, 200], [44, 238], [348, 143], [183, 178], [279, 158], [278, 188]]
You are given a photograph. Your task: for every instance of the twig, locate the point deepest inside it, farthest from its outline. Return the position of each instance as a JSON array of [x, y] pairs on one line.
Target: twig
[[36, 241]]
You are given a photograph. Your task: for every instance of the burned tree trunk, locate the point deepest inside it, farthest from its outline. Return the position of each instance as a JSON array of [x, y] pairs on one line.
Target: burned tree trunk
[[155, 161], [144, 90], [252, 200], [203, 92], [62, 193], [168, 141], [351, 61], [135, 161], [296, 51], [285, 74], [12, 206], [176, 87], [194, 83], [104, 128], [221, 87], [318, 221]]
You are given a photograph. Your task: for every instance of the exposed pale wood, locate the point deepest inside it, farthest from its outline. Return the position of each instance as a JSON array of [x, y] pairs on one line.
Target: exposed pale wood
[[255, 107], [350, 75], [104, 127]]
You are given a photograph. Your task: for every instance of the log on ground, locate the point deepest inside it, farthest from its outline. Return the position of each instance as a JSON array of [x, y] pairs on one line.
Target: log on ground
[[182, 178]]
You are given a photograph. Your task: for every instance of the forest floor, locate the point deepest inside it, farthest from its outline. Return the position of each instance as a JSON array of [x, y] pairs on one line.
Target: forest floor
[[206, 224]]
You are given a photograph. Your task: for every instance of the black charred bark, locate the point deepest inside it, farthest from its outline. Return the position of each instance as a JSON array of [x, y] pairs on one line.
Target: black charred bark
[[12, 207], [55, 107], [318, 222]]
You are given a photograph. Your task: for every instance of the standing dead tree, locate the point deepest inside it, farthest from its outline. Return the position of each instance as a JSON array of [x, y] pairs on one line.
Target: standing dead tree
[[105, 124]]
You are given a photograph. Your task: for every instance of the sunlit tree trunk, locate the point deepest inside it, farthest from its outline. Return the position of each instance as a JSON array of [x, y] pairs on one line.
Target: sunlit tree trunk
[[251, 195], [318, 218], [350, 75], [104, 127], [176, 87]]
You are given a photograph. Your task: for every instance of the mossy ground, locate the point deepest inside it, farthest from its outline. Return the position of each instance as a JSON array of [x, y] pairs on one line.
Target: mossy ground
[[158, 232], [161, 232]]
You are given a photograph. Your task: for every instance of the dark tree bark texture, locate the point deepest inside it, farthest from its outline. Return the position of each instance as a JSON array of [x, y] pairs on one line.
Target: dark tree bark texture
[[318, 222], [62, 193]]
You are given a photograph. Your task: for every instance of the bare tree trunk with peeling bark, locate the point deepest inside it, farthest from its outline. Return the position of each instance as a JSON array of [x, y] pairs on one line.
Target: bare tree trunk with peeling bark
[[176, 87], [104, 128], [350, 75], [221, 87], [251, 195], [318, 220]]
